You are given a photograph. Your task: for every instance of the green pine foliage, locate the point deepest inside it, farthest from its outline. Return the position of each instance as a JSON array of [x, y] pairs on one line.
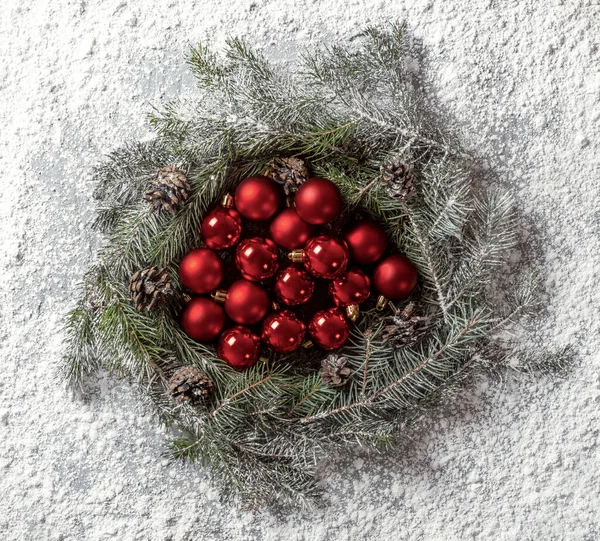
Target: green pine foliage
[[344, 111]]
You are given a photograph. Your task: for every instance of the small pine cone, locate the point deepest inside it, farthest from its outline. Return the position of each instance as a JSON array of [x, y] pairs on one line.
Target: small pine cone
[[405, 330], [188, 384], [334, 371], [149, 287], [170, 192], [290, 172], [398, 178]]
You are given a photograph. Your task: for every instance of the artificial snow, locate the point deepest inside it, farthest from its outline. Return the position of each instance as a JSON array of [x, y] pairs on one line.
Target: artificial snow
[[512, 459]]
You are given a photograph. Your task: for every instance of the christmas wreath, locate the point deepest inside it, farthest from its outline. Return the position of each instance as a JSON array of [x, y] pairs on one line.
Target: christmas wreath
[[297, 263]]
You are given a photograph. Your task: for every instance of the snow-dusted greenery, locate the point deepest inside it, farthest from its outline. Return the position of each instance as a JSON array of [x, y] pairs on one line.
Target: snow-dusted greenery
[[344, 111]]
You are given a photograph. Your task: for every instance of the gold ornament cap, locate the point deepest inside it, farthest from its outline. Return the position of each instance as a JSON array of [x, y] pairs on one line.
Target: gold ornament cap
[[382, 302], [220, 295], [227, 201], [297, 256], [352, 311]]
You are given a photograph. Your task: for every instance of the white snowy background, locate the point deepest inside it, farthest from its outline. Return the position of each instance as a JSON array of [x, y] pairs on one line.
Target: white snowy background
[[514, 459]]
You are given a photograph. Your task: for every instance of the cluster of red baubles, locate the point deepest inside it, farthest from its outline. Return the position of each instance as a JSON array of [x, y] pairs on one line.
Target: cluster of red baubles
[[315, 254]]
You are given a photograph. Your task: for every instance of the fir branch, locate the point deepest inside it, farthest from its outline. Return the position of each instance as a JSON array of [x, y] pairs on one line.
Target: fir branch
[[454, 340], [263, 431], [231, 398], [428, 262]]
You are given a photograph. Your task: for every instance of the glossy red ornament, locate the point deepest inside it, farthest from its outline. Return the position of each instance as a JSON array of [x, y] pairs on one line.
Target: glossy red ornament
[[326, 256], [258, 198], [366, 241], [239, 347], [201, 270], [246, 303], [221, 228], [289, 231], [329, 328], [352, 287], [395, 277], [202, 319], [283, 332], [318, 201], [257, 258], [293, 286]]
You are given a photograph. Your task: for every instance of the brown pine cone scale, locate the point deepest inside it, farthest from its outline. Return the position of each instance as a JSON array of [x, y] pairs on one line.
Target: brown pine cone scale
[[170, 192], [291, 172], [189, 384], [334, 371], [404, 329], [398, 178], [149, 287]]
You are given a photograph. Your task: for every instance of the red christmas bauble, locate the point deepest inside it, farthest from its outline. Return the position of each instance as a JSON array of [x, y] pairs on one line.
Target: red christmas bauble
[[352, 287], [395, 277], [366, 240], [293, 286], [201, 270], [326, 256], [258, 198], [221, 228], [283, 332], [246, 303], [239, 347], [256, 258], [318, 201], [289, 231], [329, 328], [202, 319]]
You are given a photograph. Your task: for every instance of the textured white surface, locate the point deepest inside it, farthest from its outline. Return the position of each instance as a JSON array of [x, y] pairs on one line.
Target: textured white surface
[[518, 460]]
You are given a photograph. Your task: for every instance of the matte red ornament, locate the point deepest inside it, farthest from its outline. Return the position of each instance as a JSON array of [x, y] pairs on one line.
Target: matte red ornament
[[201, 270], [202, 319], [221, 228], [318, 201], [293, 286], [239, 347], [283, 332], [246, 303], [258, 198], [329, 328], [352, 287], [256, 258], [326, 256], [395, 277], [289, 231], [366, 240]]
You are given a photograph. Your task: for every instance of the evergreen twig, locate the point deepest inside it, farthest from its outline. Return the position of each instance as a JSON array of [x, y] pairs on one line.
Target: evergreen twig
[[263, 431]]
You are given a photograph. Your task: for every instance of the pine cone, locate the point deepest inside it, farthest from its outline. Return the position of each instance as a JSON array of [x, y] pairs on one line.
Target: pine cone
[[148, 287], [291, 172], [334, 371], [189, 384], [404, 329], [397, 176], [170, 192]]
